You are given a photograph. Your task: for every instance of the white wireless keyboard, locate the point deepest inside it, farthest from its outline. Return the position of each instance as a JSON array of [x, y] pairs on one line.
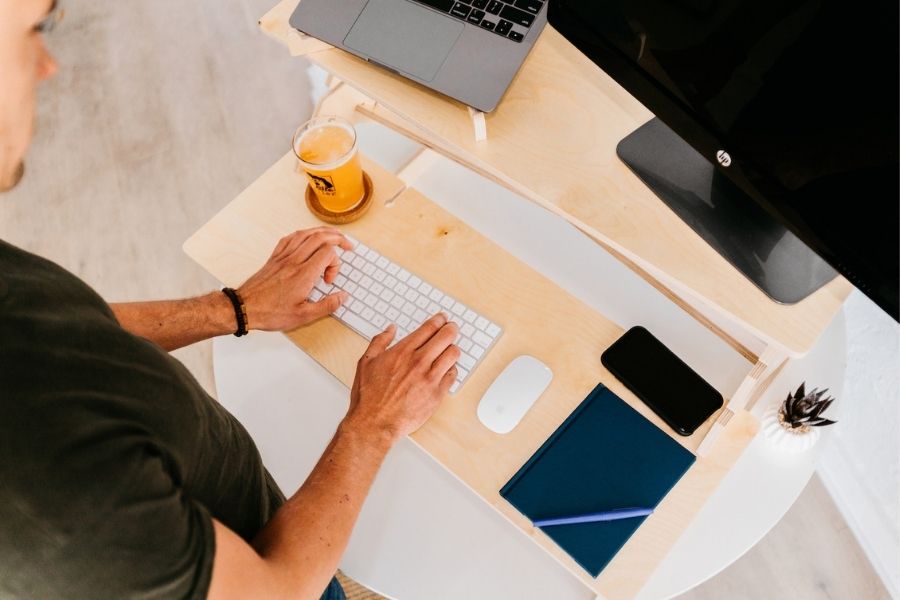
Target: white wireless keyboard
[[383, 292]]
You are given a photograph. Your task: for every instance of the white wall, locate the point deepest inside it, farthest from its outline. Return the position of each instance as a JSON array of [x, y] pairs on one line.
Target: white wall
[[861, 464]]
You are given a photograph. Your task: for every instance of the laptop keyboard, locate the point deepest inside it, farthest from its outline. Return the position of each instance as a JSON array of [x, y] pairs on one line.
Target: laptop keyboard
[[508, 18]]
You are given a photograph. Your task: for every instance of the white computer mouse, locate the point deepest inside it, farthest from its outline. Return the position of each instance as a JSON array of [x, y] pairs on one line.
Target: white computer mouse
[[514, 391]]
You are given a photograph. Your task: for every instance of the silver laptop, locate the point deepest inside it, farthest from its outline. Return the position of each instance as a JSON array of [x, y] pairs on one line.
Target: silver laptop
[[469, 50]]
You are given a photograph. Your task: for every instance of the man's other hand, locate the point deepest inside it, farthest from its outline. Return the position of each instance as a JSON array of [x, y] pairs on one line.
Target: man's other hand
[[397, 390], [276, 296]]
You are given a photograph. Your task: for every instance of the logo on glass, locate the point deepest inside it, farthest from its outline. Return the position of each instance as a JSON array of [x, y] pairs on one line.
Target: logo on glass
[[724, 158]]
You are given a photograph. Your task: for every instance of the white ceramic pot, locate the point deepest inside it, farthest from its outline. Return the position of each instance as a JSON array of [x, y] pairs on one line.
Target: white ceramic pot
[[783, 437]]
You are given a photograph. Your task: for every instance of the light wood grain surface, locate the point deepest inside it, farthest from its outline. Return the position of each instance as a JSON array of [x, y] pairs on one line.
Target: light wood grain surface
[[538, 318], [553, 139]]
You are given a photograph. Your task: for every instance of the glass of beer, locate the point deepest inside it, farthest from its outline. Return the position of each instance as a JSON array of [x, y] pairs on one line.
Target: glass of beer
[[328, 154]]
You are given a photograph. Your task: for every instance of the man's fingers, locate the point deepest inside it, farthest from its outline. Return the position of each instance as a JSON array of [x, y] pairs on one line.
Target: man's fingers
[[317, 240], [381, 341], [439, 342], [424, 333], [325, 306], [445, 362], [320, 261], [332, 270], [447, 380]]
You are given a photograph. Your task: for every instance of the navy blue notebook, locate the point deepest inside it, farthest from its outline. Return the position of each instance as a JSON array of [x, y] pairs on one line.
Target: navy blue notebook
[[604, 456]]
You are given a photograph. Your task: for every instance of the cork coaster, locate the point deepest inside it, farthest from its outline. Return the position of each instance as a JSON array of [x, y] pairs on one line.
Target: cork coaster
[[340, 218]]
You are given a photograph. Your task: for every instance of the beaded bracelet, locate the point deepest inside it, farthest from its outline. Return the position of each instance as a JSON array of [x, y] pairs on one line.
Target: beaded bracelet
[[240, 311]]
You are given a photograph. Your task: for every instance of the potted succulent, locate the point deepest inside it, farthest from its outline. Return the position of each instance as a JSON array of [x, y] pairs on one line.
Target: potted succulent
[[793, 425]]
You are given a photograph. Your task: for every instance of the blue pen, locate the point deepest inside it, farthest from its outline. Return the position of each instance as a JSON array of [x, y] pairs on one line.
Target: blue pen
[[606, 515]]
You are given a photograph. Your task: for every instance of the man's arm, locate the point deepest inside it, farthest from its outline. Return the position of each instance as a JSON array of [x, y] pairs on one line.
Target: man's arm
[[275, 297], [298, 551]]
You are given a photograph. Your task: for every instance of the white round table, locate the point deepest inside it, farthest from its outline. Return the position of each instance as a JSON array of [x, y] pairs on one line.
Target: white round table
[[422, 533]]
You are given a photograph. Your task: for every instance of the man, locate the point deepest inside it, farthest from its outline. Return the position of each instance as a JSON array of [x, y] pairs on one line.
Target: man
[[119, 476]]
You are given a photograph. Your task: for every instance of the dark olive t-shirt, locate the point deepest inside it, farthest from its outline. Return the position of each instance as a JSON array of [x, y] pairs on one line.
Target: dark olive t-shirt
[[113, 460]]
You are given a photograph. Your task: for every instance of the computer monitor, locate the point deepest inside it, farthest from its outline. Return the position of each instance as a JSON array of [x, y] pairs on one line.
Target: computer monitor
[[776, 129]]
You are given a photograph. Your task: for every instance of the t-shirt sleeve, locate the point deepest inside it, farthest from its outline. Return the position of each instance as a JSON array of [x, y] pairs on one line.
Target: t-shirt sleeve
[[114, 523]]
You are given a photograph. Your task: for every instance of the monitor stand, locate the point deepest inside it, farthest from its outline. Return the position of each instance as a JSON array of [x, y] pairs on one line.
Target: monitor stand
[[747, 236]]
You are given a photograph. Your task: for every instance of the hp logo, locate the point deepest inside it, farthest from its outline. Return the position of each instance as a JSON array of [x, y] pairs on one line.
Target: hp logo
[[724, 158]]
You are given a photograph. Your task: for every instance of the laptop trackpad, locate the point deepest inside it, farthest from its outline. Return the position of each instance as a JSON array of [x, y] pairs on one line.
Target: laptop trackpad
[[404, 36]]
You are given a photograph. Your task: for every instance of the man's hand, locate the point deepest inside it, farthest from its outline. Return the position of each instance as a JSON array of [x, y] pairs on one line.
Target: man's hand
[[396, 390], [276, 296]]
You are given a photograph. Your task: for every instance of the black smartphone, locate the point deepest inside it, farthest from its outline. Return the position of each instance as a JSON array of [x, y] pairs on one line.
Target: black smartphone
[[662, 380]]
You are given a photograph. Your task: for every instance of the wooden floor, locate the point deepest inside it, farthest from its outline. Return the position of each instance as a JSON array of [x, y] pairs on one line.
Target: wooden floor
[[162, 113]]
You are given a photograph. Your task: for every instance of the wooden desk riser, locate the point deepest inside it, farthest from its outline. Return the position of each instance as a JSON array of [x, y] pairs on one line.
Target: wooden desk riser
[[552, 140], [539, 319]]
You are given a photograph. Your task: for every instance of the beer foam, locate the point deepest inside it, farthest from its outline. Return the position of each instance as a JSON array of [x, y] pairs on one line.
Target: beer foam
[[325, 144]]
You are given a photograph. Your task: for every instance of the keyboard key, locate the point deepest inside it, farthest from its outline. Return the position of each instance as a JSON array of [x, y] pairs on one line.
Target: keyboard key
[[340, 281], [488, 25], [503, 27], [481, 339], [360, 249], [414, 282], [346, 267], [403, 321], [454, 387], [382, 262], [340, 311], [358, 262], [411, 295], [368, 314], [467, 330], [476, 15], [423, 302], [357, 306], [495, 7], [433, 308], [469, 316], [403, 275], [381, 307], [392, 314], [493, 330], [390, 282], [460, 10], [516, 36], [420, 316], [481, 323], [350, 287], [424, 288], [365, 282], [371, 299], [466, 361], [436, 295], [379, 275], [371, 255], [377, 288], [480, 4], [516, 16], [398, 301], [461, 373], [368, 268], [408, 309], [458, 309], [448, 302], [379, 321], [476, 351], [465, 345], [392, 269], [366, 329], [532, 6], [355, 275], [315, 295], [387, 295]]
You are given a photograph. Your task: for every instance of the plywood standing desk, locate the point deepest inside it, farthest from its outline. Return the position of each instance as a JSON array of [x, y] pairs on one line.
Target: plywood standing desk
[[427, 240], [552, 141]]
